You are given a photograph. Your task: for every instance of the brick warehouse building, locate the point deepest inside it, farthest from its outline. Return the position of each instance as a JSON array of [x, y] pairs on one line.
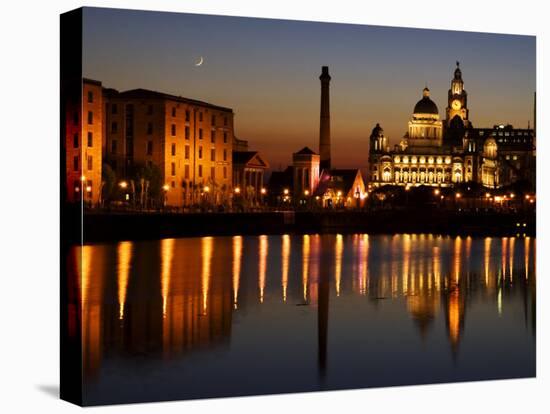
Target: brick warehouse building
[[190, 142], [83, 143]]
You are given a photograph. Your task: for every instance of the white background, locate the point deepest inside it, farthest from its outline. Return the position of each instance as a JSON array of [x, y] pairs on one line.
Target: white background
[[29, 207]]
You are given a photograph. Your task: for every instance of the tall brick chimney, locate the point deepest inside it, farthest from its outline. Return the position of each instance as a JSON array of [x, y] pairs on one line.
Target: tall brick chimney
[[324, 130]]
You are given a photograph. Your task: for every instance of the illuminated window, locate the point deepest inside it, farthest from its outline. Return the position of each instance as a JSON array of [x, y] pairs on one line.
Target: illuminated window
[[439, 160], [405, 160], [447, 160], [431, 160], [413, 160], [422, 160], [397, 159]]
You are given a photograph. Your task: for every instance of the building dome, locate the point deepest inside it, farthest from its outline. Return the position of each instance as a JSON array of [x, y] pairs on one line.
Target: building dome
[[426, 105]]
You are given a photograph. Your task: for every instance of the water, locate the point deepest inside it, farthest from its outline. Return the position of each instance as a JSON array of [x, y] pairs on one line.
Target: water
[[224, 316]]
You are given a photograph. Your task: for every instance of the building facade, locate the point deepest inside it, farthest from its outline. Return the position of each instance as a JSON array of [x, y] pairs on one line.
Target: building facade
[[447, 152], [83, 144], [306, 170], [249, 168], [188, 140]]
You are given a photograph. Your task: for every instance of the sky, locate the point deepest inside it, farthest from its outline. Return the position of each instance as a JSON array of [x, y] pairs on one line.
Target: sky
[[268, 70]]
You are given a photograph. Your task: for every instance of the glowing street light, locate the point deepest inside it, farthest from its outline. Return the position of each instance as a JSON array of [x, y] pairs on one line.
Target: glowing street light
[[458, 195], [306, 192], [263, 191], [123, 184], [512, 195], [206, 189], [285, 191], [487, 195], [237, 190], [436, 191], [89, 189], [165, 187], [339, 194]]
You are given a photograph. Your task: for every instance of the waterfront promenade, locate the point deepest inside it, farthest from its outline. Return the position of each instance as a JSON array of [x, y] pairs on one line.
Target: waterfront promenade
[[101, 226]]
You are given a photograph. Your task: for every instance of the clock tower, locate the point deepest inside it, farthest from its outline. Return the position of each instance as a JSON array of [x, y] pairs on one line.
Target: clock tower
[[457, 108]]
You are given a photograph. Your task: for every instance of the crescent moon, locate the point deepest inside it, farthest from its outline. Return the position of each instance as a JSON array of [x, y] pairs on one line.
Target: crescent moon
[[200, 61]]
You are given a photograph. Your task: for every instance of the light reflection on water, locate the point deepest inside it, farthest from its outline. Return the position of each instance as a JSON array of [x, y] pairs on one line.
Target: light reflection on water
[[198, 317]]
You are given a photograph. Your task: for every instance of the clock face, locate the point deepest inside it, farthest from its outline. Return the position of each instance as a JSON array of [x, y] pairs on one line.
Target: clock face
[[456, 104]]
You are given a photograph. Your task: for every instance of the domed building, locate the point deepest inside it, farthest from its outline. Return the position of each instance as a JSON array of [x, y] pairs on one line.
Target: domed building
[[425, 128], [443, 153]]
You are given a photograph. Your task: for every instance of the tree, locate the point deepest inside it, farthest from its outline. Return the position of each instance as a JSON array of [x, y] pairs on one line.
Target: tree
[[148, 184], [108, 178]]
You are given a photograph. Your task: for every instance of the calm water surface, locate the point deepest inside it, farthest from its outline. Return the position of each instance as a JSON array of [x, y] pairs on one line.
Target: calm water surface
[[223, 316]]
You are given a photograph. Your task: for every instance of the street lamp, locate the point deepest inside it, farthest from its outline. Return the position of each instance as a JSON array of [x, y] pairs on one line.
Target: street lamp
[[436, 191], [263, 191], [306, 192], [123, 184], [206, 189], [237, 190], [285, 191], [165, 187]]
